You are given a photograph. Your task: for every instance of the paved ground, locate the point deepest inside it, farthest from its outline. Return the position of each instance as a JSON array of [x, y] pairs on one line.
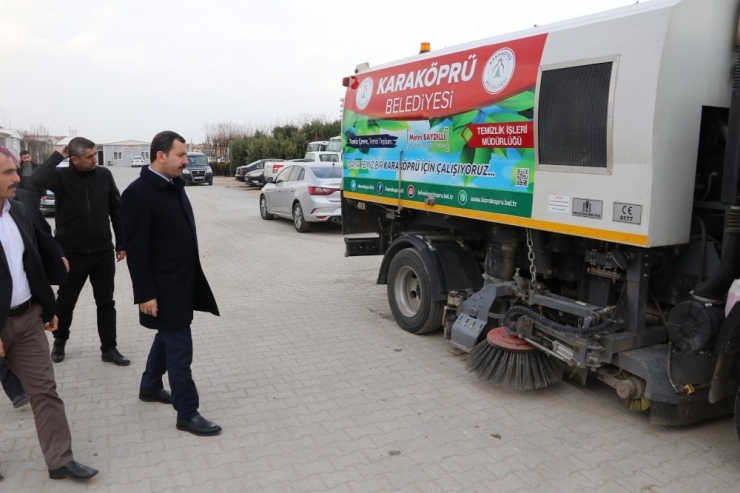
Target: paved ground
[[318, 390]]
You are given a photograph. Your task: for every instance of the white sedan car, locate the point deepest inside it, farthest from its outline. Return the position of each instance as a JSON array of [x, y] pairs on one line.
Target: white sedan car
[[305, 193], [138, 162]]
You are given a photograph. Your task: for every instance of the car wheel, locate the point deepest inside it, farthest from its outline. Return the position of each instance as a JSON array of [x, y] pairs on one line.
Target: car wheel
[[299, 220], [210, 182], [263, 209], [410, 296]]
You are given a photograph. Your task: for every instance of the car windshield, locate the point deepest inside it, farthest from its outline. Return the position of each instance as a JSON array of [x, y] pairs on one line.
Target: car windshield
[[327, 171], [334, 146], [197, 161]]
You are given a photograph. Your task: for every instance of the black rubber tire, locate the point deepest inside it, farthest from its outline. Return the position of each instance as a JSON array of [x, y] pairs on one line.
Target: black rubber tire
[[210, 182], [409, 294], [263, 209], [299, 220], [737, 413]]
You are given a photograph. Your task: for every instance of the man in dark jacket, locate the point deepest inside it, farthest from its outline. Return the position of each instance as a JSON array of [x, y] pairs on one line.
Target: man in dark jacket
[[55, 267], [26, 172], [87, 203], [167, 278], [27, 305]]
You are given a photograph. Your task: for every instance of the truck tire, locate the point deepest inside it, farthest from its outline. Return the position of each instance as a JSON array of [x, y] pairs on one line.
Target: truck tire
[[410, 294]]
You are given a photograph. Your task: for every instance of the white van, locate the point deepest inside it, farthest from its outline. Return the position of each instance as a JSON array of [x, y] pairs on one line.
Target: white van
[[335, 144], [323, 157], [317, 145]]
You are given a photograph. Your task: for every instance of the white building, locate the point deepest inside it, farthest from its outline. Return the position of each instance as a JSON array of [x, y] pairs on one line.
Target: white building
[[11, 139], [120, 153]]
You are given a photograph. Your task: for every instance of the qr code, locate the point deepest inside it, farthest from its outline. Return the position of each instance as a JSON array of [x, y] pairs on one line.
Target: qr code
[[522, 177]]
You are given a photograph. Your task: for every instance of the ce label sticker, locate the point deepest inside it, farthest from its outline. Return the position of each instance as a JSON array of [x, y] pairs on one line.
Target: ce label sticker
[[627, 213]]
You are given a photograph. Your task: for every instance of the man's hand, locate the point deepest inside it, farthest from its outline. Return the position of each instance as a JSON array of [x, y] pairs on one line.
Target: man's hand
[[2, 349], [149, 307], [52, 325], [120, 255], [66, 263], [62, 150]]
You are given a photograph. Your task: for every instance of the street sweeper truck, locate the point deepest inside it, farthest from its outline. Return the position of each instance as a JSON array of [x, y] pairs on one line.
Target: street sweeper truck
[[564, 201]]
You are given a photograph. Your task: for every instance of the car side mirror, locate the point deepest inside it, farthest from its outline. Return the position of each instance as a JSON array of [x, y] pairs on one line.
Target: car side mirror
[[269, 179]]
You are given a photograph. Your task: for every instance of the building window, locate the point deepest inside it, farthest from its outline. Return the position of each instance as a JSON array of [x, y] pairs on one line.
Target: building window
[[117, 155], [145, 155]]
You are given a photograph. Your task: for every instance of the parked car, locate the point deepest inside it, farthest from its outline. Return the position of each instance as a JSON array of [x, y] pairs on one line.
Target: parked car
[[253, 173], [273, 168], [197, 171], [138, 162], [304, 192], [323, 157], [48, 204]]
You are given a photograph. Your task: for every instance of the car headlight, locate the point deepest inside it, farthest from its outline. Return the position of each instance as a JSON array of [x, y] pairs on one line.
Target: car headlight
[[209, 169], [186, 171]]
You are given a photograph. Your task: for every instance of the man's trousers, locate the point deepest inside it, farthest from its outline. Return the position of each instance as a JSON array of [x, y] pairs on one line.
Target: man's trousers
[[27, 355], [172, 352], [100, 267]]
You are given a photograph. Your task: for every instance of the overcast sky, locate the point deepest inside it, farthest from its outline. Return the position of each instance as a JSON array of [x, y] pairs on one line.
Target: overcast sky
[[126, 69]]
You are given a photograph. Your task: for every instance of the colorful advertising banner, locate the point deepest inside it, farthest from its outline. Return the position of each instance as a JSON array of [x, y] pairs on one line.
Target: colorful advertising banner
[[458, 127]]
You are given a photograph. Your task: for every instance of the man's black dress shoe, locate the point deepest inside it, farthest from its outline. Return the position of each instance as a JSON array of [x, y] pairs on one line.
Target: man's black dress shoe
[[113, 356], [199, 426], [57, 352], [161, 395], [20, 400], [73, 470]]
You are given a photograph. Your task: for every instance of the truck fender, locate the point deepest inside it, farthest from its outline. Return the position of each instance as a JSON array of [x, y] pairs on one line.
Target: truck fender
[[452, 265]]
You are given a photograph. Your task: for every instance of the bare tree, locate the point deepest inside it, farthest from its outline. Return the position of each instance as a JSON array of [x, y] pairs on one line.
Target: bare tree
[[38, 141], [218, 136]]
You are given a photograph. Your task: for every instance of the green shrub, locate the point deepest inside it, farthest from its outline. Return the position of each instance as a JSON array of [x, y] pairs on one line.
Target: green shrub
[[221, 169]]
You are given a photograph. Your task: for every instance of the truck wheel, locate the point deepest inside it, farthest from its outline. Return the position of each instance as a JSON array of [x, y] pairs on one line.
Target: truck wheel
[[263, 209], [410, 294], [299, 220]]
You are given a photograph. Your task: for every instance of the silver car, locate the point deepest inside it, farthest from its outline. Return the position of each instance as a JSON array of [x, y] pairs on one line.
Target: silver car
[[306, 193]]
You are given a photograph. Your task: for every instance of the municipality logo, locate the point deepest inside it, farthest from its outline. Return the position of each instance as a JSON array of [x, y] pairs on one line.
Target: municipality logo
[[411, 191], [499, 70], [462, 197], [353, 185], [364, 93]]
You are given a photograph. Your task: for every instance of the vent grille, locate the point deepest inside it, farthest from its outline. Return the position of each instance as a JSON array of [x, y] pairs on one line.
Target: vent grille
[[573, 115]]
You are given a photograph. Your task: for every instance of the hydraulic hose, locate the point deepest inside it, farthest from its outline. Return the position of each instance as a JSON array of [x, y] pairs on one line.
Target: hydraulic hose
[[714, 289]]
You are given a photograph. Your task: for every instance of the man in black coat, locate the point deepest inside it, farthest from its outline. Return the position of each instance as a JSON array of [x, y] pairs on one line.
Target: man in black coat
[[26, 172], [55, 267], [87, 203], [167, 278], [26, 309]]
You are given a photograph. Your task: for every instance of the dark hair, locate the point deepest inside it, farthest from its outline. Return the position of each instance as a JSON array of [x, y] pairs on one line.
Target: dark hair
[[163, 142], [24, 152], [78, 145]]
